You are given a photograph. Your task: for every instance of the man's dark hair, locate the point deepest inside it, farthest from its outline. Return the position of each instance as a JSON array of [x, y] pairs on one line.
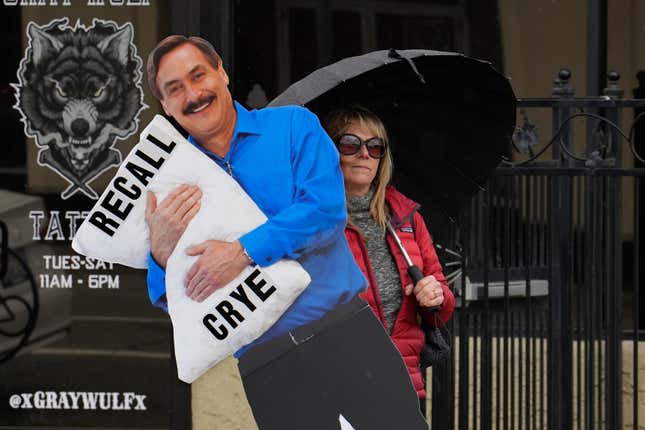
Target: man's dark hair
[[170, 43]]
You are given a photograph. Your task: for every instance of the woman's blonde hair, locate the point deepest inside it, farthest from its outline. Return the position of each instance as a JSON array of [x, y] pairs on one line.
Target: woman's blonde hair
[[337, 122]]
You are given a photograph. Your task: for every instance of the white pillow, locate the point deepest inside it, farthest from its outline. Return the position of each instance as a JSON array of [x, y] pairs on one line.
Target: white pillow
[[116, 231]]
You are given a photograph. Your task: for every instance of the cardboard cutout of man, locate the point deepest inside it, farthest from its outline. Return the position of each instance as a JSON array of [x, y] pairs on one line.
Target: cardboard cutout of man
[[327, 358]]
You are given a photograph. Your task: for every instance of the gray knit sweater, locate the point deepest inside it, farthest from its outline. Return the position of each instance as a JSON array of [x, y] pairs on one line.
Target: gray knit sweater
[[388, 281]]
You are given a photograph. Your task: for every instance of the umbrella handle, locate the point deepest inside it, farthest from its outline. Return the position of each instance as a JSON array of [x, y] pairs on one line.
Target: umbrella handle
[[416, 276]]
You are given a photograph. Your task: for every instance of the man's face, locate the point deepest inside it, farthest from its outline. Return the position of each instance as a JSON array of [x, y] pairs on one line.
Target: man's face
[[194, 92]]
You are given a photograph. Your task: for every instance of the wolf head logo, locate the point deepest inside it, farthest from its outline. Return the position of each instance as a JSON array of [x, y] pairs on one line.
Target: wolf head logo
[[79, 90]]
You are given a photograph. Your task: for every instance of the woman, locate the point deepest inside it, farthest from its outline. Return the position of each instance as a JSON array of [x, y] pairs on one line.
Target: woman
[[366, 162]]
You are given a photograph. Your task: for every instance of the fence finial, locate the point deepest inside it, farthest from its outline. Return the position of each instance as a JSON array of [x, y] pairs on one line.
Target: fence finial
[[613, 89], [639, 91], [561, 85]]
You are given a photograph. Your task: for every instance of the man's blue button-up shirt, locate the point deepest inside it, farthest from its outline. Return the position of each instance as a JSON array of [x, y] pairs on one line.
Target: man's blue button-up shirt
[[288, 165]]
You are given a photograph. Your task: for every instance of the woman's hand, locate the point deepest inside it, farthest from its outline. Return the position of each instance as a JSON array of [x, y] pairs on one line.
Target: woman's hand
[[428, 292]]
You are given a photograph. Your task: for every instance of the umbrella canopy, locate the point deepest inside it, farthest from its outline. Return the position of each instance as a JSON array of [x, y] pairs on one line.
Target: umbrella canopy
[[449, 117]]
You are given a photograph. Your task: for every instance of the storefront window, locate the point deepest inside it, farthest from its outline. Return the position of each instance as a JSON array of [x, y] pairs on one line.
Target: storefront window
[[80, 344]]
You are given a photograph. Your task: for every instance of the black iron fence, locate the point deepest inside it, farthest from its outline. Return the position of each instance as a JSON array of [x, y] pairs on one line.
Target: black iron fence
[[546, 268]]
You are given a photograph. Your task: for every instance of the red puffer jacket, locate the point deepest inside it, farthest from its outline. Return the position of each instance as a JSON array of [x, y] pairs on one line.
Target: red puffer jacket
[[407, 335]]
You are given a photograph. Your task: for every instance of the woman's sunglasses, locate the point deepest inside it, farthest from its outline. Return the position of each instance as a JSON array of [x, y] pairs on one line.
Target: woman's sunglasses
[[349, 144]]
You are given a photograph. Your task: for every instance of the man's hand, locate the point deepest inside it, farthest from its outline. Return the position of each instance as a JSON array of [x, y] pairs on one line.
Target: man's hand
[[218, 264], [169, 220], [428, 292]]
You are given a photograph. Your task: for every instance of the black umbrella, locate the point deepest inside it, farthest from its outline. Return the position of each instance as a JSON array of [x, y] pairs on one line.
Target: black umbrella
[[449, 117]]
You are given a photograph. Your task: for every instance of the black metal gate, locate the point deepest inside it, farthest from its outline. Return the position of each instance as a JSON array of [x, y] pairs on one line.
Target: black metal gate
[[547, 332]]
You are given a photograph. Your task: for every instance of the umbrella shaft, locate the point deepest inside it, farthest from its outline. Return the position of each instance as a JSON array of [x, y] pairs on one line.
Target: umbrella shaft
[[408, 260]]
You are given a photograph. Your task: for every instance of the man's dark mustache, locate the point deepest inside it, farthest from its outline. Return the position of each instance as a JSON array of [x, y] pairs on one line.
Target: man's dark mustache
[[190, 107]]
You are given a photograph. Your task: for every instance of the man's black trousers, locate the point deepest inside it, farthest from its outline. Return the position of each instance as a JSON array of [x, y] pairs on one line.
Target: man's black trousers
[[343, 364]]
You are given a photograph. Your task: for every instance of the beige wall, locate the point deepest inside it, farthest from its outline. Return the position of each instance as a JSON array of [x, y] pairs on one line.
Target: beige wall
[[149, 22], [219, 401], [540, 37], [626, 40]]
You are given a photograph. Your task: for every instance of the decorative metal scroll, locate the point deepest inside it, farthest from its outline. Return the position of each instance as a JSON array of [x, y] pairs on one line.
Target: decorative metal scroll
[[17, 315]]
